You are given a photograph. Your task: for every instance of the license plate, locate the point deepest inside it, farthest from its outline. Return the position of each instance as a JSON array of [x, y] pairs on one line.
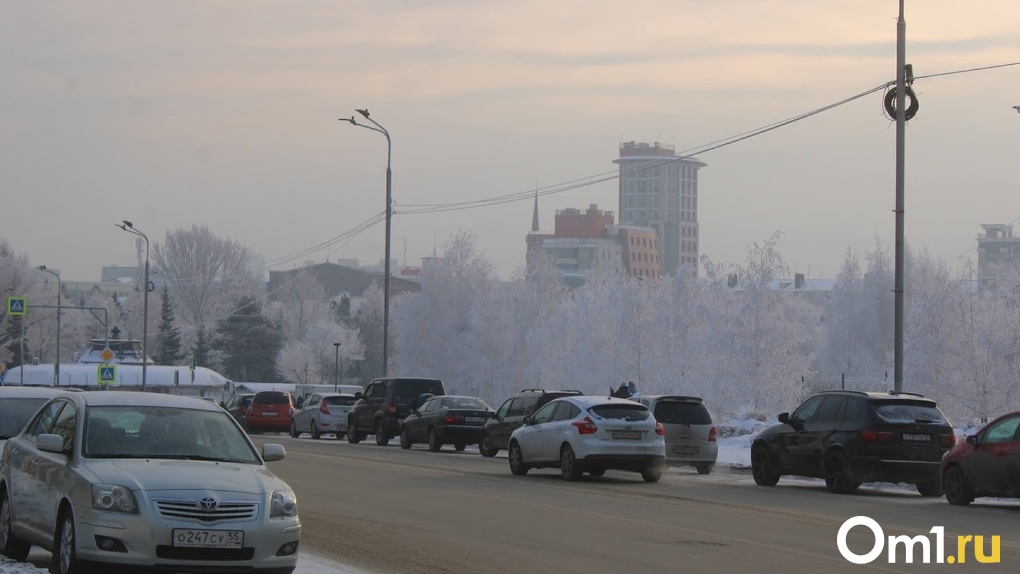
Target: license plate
[[679, 449], [628, 434], [185, 537], [917, 437], [400, 421], [269, 414], [474, 419]]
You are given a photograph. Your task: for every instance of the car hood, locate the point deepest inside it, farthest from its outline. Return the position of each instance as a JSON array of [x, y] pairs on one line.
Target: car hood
[[177, 475]]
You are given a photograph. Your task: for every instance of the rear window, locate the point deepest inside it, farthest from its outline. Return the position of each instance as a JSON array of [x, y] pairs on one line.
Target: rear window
[[415, 388], [465, 403], [14, 414], [910, 412], [633, 412], [272, 398], [340, 401], [679, 413]]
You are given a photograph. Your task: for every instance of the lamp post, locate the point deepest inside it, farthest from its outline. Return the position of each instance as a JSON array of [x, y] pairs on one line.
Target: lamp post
[[389, 212], [56, 363], [898, 300], [336, 369], [130, 228]]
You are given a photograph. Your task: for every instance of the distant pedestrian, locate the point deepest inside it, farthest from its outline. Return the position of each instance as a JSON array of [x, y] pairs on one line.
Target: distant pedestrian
[[621, 393], [632, 390]]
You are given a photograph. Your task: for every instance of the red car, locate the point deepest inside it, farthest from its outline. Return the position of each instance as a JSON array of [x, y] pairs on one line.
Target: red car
[[986, 464], [270, 411]]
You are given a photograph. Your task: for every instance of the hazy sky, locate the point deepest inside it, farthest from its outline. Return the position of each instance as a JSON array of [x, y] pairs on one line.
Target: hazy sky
[[224, 113]]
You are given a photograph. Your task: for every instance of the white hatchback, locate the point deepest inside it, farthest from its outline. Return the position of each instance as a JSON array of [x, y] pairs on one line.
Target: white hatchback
[[590, 434], [144, 481]]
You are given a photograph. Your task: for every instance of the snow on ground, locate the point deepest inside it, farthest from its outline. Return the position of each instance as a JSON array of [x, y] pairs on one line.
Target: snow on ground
[[307, 564]]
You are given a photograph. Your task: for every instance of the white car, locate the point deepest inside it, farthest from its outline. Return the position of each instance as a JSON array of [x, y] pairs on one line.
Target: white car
[[17, 405], [581, 434], [322, 413], [144, 481]]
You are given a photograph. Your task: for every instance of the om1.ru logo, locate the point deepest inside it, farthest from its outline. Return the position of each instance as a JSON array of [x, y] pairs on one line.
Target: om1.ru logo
[[909, 544]]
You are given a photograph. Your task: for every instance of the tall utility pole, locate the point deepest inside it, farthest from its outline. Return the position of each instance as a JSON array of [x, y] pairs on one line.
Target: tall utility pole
[[389, 211], [901, 120], [336, 369], [56, 363], [130, 228]]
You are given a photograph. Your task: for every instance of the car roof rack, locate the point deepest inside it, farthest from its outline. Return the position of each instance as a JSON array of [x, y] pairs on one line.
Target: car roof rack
[[862, 393], [893, 392], [532, 390], [681, 398]]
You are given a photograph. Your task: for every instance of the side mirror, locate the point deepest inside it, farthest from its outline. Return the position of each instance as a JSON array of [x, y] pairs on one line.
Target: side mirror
[[973, 440], [526, 420], [50, 443], [784, 418], [273, 451]]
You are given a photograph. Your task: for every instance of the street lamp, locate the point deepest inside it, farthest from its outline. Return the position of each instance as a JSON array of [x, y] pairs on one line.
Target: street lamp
[[336, 369], [389, 212], [130, 228], [56, 363]]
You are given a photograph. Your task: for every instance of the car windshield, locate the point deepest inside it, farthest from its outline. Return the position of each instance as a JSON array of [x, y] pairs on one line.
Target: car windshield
[[910, 412], [130, 431], [676, 412], [14, 413], [339, 401], [633, 412], [414, 389], [465, 403]]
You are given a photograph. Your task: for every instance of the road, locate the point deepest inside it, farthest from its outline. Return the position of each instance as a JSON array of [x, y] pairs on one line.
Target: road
[[384, 509]]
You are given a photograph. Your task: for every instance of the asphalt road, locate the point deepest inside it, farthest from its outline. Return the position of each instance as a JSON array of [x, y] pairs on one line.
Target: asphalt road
[[383, 510]]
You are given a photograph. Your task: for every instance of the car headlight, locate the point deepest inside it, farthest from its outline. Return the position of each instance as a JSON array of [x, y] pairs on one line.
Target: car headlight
[[113, 498], [284, 503]]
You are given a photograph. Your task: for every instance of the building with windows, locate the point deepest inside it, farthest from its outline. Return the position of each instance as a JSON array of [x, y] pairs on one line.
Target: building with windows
[[997, 250], [659, 189]]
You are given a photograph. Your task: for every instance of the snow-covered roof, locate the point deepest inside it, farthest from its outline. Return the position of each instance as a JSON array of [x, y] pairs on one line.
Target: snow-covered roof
[[85, 375]]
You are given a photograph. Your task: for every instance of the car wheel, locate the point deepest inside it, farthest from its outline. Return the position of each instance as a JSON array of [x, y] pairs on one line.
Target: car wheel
[[485, 447], [704, 468], [568, 464], [338, 435], [434, 444], [10, 545], [405, 439], [763, 468], [597, 472], [314, 431], [353, 435], [838, 478], [459, 446], [958, 490], [380, 434], [517, 466], [65, 555], [293, 430], [652, 473]]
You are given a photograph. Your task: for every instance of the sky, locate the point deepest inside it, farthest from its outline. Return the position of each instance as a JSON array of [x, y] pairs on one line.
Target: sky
[[224, 113]]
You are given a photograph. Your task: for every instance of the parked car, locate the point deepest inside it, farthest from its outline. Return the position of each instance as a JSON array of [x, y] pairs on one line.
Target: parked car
[[510, 416], [132, 481], [444, 420], [237, 406], [385, 404], [322, 413], [986, 464], [690, 434], [17, 405], [851, 437], [581, 434], [270, 411]]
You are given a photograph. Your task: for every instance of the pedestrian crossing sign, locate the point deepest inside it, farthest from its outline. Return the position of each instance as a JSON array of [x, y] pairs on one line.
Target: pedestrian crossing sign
[[107, 374], [16, 306]]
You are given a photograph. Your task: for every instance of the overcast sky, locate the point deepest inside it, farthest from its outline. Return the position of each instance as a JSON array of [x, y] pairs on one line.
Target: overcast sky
[[224, 113]]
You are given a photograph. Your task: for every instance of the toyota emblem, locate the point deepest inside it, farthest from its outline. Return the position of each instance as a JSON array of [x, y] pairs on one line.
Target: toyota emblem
[[208, 504]]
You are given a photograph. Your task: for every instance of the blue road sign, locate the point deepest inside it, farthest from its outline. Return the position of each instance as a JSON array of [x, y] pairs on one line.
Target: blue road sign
[[107, 374], [16, 306]]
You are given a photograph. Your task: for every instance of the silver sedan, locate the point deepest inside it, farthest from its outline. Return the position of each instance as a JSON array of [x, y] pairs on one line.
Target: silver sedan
[[146, 481]]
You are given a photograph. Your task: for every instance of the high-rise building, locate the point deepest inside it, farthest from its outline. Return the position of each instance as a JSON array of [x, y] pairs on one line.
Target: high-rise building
[[998, 251], [659, 189]]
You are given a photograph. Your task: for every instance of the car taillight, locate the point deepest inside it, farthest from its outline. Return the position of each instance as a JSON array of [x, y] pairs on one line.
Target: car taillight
[[712, 435], [659, 429], [451, 419], [947, 439], [324, 408], [391, 409], [876, 436], [585, 426]]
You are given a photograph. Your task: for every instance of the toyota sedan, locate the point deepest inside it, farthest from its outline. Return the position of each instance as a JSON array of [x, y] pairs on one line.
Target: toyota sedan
[[144, 481]]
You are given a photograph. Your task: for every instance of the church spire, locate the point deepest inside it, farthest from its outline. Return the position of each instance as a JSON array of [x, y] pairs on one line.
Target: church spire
[[534, 216]]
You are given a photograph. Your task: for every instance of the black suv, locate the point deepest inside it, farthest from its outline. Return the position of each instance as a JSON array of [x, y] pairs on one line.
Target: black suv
[[385, 404], [850, 437], [510, 416]]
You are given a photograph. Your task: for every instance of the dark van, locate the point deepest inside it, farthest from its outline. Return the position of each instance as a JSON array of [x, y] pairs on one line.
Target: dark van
[[385, 404]]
